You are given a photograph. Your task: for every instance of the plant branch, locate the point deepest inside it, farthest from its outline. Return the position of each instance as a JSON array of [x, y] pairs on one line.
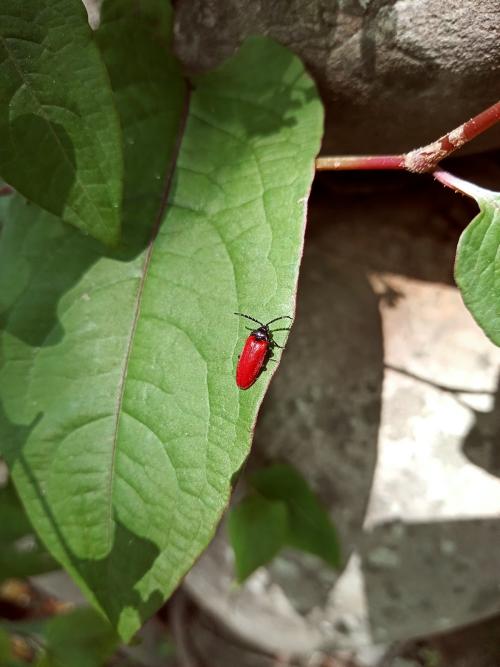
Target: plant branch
[[355, 162], [420, 160]]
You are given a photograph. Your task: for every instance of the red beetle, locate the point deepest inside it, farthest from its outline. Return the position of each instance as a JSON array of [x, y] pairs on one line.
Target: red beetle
[[257, 350]]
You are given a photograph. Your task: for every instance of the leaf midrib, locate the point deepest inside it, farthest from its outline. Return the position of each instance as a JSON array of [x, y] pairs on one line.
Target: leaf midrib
[[169, 174]]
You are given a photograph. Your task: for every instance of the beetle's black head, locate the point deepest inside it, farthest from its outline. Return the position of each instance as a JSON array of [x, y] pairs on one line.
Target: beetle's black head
[[263, 333]]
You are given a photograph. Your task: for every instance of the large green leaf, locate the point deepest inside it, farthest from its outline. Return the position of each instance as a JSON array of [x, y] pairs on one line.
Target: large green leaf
[[477, 266], [122, 422], [60, 142]]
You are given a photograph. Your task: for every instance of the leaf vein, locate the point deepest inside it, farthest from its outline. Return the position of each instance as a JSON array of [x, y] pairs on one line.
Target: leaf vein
[[147, 260]]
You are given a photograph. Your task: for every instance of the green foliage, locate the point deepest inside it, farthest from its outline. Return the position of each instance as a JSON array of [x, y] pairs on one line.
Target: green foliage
[[60, 142], [309, 525], [477, 267], [14, 524], [120, 419], [21, 554], [285, 512], [257, 530], [81, 638], [6, 657]]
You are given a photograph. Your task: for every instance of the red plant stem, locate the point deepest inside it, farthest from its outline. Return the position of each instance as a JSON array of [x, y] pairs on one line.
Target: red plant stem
[[420, 160], [351, 162]]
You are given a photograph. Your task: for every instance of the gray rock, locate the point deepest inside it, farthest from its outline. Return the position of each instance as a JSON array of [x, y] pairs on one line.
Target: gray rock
[[394, 74]]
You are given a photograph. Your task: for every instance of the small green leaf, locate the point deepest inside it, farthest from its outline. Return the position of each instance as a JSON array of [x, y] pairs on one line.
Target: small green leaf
[[5, 652], [6, 657], [309, 526], [477, 265], [13, 520], [21, 554], [25, 561], [257, 530], [82, 638], [60, 140], [24, 628]]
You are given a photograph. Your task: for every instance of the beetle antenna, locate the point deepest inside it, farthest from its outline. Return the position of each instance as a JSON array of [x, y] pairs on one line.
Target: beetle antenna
[[251, 318], [282, 317], [285, 329]]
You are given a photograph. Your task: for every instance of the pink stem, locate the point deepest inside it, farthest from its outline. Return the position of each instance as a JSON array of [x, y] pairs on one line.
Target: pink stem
[[459, 185], [348, 162], [422, 159]]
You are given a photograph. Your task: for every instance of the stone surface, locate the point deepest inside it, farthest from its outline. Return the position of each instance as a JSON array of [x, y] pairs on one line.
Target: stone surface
[[394, 74], [386, 390]]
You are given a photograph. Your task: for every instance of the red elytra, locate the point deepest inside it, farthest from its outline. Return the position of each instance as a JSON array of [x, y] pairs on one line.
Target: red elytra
[[257, 350]]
